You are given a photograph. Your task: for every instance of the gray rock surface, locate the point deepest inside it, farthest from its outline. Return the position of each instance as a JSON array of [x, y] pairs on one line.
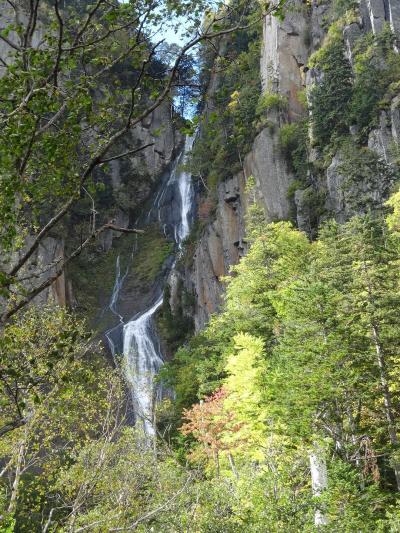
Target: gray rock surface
[[220, 246], [267, 165], [284, 54]]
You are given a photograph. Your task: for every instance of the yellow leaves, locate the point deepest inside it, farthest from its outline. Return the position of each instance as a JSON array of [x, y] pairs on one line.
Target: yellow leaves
[[393, 220], [235, 101], [243, 386]]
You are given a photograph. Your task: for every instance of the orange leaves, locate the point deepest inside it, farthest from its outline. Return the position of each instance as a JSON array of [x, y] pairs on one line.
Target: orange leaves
[[210, 422]]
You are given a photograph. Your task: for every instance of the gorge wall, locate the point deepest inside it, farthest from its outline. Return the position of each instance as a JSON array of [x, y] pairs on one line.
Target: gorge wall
[[121, 191], [296, 175], [292, 165]]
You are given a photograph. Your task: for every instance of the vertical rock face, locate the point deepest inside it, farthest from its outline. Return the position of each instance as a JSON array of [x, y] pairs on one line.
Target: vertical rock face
[[284, 53], [375, 13], [220, 246], [267, 165], [128, 181], [284, 67], [133, 178]]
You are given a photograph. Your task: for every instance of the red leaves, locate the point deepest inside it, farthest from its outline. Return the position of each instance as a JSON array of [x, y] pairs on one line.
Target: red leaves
[[209, 421]]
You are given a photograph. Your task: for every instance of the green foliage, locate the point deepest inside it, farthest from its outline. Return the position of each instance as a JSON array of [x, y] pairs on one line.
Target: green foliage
[[359, 165], [293, 142], [305, 349], [54, 392], [376, 67], [175, 328], [270, 101], [93, 273], [330, 98], [344, 98], [225, 137], [339, 9], [349, 507]]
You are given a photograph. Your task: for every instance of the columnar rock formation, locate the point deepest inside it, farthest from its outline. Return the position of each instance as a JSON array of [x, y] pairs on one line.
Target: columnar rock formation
[[285, 51]]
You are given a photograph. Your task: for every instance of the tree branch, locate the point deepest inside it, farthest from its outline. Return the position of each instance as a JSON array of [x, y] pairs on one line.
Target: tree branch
[[128, 152], [51, 279], [59, 42], [10, 43], [131, 122]]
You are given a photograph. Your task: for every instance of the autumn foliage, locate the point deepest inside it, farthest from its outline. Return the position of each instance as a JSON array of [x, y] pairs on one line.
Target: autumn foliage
[[210, 423]]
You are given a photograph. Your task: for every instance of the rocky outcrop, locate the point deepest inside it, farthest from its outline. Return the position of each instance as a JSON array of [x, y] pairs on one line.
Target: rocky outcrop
[[267, 165], [132, 179], [220, 246], [128, 182], [375, 13], [285, 52]]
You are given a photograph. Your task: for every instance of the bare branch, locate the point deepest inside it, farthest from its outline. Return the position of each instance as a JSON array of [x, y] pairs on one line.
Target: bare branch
[[102, 37], [155, 511], [28, 152], [123, 230], [128, 152], [10, 43], [49, 281], [53, 119], [59, 43], [91, 14], [30, 28]]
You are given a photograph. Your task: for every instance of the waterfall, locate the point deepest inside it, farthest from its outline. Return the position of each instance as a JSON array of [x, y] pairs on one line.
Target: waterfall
[[186, 197], [172, 208], [143, 360]]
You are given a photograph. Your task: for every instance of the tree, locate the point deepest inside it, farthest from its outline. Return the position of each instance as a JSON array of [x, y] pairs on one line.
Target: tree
[[307, 352], [330, 99], [210, 422], [245, 369], [369, 262], [63, 111], [56, 393]]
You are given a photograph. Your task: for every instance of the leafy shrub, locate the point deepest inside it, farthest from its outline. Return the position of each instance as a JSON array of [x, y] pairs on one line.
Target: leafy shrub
[[269, 101], [293, 143]]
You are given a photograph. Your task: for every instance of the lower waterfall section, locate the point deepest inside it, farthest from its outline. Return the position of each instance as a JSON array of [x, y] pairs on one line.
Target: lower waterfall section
[[172, 210], [142, 358]]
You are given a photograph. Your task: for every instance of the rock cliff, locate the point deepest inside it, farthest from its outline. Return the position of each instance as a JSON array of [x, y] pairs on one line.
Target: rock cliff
[[124, 187], [330, 186]]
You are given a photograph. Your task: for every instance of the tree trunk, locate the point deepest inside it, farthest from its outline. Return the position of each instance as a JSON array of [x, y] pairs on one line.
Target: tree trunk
[[216, 460], [233, 466], [387, 398], [319, 480], [15, 487]]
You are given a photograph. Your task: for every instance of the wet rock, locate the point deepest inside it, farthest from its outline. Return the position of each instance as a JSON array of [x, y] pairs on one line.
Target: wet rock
[[377, 14]]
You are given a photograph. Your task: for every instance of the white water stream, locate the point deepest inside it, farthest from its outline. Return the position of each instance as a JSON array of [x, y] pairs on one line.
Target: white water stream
[[141, 347]]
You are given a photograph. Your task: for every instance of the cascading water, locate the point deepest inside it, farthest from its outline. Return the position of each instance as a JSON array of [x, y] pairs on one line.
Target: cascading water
[[143, 360], [141, 350], [186, 197]]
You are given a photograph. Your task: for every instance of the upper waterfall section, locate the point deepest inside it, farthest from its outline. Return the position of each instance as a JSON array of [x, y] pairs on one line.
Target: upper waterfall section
[[173, 205]]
